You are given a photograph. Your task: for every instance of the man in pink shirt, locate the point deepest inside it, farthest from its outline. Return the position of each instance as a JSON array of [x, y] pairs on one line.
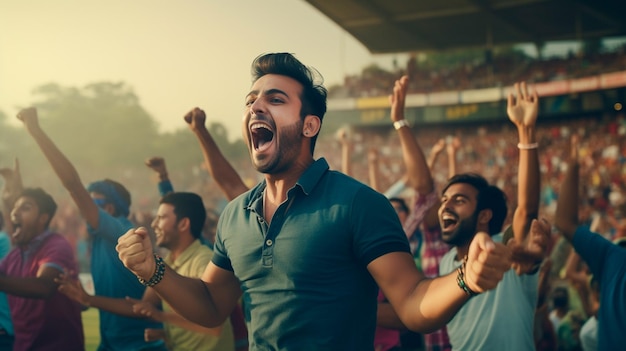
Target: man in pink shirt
[[43, 318]]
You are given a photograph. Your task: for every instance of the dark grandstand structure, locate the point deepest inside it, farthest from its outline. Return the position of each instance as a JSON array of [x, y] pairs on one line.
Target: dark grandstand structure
[[385, 26]]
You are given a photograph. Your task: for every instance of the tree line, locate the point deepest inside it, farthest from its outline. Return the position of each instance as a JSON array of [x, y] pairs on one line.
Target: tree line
[[106, 133]]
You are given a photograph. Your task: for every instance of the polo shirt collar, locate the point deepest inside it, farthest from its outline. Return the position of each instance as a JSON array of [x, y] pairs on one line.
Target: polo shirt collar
[[312, 175], [185, 256], [308, 180], [35, 243]]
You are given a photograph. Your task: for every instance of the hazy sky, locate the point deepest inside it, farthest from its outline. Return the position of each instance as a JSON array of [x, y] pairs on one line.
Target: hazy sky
[[174, 54]]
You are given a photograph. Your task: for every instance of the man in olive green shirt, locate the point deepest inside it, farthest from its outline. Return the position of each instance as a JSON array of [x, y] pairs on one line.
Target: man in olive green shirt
[[177, 226]]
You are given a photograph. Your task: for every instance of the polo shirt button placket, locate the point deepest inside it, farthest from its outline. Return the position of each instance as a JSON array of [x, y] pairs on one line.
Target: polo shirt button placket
[[268, 249]]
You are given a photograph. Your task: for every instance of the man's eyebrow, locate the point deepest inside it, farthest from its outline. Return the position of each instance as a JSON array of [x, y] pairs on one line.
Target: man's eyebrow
[[276, 91], [456, 195], [268, 92]]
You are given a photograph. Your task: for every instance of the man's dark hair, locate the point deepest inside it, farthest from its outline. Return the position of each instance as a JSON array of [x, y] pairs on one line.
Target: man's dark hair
[[489, 197], [314, 94], [44, 201], [188, 205]]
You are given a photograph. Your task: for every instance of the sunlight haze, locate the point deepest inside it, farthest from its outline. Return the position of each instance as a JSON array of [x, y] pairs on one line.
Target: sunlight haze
[[174, 54]]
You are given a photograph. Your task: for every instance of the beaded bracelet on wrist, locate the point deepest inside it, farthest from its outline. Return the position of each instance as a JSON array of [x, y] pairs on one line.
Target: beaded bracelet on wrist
[[158, 273], [460, 279]]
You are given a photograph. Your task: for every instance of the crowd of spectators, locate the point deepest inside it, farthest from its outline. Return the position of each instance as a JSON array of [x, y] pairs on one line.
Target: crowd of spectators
[[486, 149], [478, 74], [489, 150]]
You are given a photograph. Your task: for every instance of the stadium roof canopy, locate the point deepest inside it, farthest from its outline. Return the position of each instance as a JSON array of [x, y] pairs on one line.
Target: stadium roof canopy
[[392, 26]]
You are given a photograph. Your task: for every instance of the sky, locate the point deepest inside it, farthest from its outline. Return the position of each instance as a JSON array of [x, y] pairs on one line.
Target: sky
[[176, 55]]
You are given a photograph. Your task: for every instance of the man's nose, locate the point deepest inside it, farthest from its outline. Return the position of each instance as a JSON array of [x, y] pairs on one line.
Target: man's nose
[[257, 107]]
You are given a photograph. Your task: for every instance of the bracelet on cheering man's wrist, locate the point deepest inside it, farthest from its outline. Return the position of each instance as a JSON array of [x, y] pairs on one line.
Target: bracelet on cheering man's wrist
[[460, 279], [401, 123], [530, 146], [158, 273]]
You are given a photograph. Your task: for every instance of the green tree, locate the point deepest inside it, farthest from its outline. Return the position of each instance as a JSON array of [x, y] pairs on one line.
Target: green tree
[[106, 133], [5, 136], [181, 149], [100, 125]]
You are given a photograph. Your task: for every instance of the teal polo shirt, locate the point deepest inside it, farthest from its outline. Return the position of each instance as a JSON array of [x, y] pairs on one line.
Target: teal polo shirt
[[304, 277]]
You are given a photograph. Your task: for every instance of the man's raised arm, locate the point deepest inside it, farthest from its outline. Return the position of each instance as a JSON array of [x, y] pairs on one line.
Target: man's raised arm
[[522, 110], [12, 188], [417, 170], [61, 166], [218, 166]]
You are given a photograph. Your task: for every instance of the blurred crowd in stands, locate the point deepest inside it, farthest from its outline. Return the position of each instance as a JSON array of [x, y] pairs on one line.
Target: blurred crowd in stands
[[491, 151], [499, 71]]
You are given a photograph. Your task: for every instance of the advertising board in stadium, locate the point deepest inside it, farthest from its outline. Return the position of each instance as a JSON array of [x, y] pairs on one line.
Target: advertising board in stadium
[[572, 96]]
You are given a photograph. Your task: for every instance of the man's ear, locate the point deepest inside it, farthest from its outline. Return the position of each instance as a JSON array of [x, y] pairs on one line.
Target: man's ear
[[311, 126], [484, 216], [184, 224]]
